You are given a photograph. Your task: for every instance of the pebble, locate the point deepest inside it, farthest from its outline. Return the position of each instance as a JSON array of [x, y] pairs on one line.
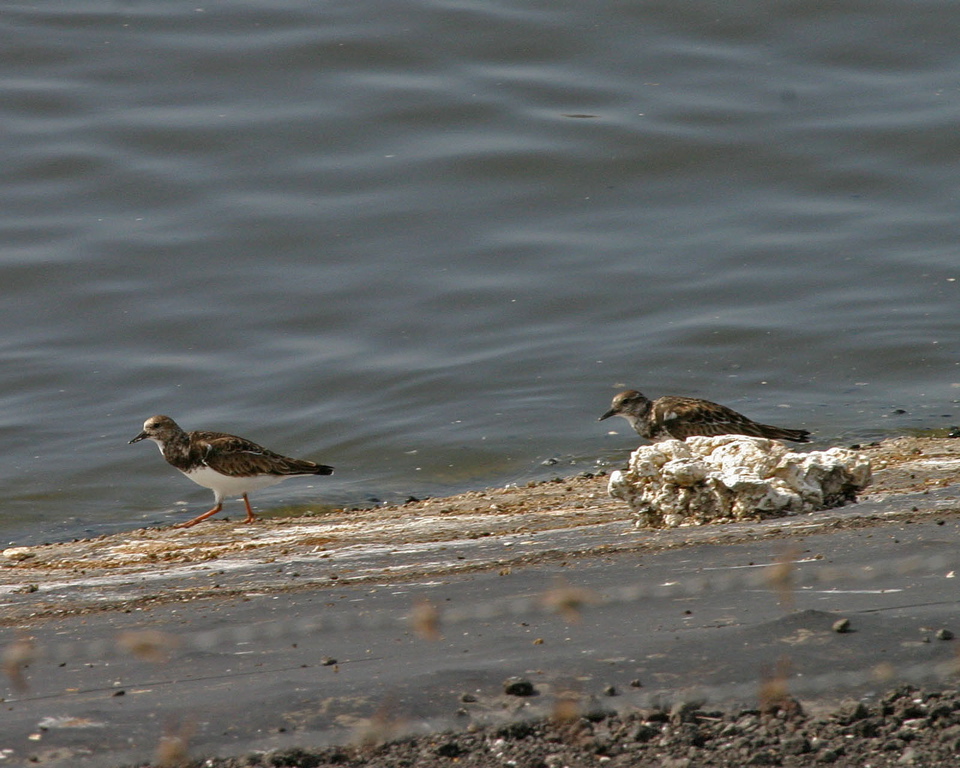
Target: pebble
[[841, 625], [518, 686], [18, 553]]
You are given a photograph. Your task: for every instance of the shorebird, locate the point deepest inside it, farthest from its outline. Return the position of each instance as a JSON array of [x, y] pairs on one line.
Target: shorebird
[[682, 417], [226, 464]]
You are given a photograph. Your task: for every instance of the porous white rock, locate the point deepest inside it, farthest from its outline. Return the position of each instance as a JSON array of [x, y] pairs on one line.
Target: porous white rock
[[733, 477]]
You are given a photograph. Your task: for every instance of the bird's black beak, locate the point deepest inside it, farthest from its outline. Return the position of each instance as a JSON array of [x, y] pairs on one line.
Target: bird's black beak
[[608, 414], [138, 438]]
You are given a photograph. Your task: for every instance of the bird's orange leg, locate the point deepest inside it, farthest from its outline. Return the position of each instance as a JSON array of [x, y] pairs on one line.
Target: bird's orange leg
[[250, 516], [201, 518]]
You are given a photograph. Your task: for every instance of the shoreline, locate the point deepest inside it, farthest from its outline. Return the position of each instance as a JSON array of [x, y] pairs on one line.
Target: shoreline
[[478, 530], [394, 631]]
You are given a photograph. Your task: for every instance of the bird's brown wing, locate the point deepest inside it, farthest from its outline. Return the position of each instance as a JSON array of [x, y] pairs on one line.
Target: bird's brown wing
[[682, 417], [237, 457]]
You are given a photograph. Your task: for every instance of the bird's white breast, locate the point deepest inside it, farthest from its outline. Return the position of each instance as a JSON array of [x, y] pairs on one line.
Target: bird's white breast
[[224, 485]]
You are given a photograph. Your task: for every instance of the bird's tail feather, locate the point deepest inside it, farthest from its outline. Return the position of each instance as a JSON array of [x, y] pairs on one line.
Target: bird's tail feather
[[780, 433]]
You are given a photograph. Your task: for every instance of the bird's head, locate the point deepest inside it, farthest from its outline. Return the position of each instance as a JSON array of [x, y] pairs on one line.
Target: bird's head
[[158, 429], [626, 404]]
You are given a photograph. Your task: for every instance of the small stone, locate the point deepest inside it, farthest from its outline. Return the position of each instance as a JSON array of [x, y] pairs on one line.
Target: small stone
[[796, 745], [869, 728], [944, 634], [908, 757], [610, 690], [851, 712], [518, 686], [893, 745], [644, 733], [841, 626], [18, 553], [468, 698], [449, 749]]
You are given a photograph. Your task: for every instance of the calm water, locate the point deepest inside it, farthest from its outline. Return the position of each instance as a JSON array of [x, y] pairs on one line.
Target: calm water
[[425, 241]]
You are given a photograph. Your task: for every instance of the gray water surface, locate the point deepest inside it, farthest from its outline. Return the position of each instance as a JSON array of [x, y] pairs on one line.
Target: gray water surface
[[426, 242]]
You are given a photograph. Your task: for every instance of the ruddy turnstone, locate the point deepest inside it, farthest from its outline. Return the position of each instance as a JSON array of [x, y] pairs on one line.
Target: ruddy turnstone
[[227, 464], [681, 417]]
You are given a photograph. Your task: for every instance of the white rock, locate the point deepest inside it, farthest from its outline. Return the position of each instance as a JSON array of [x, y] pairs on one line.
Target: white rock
[[18, 553], [733, 477]]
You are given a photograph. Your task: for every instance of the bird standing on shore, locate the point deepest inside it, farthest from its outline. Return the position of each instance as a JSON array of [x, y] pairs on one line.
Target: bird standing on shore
[[227, 464], [682, 417]]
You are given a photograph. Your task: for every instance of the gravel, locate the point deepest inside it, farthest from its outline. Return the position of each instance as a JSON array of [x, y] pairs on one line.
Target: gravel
[[907, 726]]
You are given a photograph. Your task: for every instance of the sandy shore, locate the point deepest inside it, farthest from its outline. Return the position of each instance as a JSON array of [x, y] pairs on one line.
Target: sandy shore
[[562, 518]]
